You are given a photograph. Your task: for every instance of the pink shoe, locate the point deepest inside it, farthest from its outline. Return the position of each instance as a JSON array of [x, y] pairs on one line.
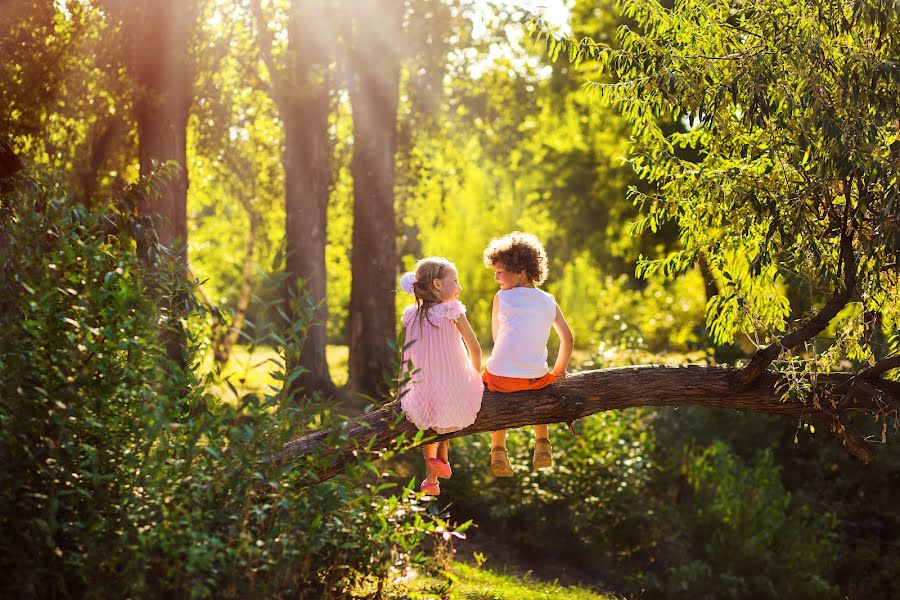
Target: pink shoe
[[432, 489], [440, 468]]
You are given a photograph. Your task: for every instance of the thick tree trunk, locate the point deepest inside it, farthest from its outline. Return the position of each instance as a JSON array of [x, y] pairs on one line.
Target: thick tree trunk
[[590, 392], [164, 75], [307, 180], [160, 33], [374, 96], [301, 89]]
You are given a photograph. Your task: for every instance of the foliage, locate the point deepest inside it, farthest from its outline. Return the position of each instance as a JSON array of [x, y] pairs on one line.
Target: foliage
[[817, 473], [477, 582], [790, 148], [119, 475], [608, 311], [654, 510], [65, 95], [737, 533]]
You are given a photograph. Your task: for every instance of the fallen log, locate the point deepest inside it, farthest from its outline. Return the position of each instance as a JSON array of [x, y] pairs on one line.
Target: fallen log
[[834, 397]]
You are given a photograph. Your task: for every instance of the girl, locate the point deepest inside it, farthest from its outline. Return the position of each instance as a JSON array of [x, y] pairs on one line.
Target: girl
[[520, 322], [445, 388]]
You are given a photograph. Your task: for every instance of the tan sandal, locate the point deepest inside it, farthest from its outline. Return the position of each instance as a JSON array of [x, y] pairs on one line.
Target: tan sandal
[[500, 466], [542, 453]]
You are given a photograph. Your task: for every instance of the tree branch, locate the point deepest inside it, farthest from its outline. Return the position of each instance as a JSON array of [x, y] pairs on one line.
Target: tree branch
[[764, 357], [589, 392], [882, 366]]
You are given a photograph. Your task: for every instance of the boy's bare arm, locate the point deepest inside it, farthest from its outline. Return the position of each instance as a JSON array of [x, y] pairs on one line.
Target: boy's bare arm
[[495, 319], [470, 340], [566, 344]]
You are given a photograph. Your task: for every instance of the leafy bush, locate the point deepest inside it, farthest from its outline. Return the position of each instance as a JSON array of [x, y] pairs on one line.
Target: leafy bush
[[652, 510], [736, 533], [122, 474]]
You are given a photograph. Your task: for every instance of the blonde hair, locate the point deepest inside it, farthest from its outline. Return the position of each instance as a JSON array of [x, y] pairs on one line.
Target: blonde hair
[[518, 252], [427, 270]]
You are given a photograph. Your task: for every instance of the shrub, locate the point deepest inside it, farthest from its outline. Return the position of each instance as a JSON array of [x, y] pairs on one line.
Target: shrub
[[122, 474], [737, 533]]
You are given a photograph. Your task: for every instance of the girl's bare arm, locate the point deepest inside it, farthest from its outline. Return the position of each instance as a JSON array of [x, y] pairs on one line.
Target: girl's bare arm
[[566, 343], [471, 342]]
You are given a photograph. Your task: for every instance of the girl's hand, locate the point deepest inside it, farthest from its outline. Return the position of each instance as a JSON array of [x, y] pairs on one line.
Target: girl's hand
[[561, 375]]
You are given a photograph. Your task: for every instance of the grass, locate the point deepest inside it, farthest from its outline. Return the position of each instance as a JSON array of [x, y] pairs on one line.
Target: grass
[[251, 372], [469, 582]]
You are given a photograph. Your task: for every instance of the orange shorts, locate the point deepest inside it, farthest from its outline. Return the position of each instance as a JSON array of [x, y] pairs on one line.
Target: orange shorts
[[496, 383]]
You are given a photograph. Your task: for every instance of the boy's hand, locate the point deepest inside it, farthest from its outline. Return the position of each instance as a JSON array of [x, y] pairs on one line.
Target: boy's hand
[[562, 375]]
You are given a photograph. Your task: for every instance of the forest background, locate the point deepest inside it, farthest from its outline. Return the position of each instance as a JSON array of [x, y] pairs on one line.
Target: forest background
[[142, 382]]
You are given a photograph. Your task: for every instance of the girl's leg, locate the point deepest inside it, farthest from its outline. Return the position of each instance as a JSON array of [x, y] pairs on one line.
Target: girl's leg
[[443, 451], [541, 431], [430, 451]]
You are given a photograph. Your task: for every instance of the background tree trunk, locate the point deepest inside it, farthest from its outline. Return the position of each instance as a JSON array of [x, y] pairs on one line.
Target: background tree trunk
[[223, 341], [301, 89], [160, 34], [590, 392], [374, 93], [307, 179]]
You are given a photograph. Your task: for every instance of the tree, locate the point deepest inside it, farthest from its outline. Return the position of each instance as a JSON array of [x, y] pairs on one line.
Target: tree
[[374, 94], [792, 108], [301, 87], [160, 35], [64, 95], [156, 38]]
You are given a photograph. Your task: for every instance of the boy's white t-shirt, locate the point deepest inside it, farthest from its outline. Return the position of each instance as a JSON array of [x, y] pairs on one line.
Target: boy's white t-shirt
[[525, 316]]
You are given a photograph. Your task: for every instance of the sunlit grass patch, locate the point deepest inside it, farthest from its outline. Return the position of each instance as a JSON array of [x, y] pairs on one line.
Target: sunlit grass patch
[[480, 583], [483, 583], [251, 372]]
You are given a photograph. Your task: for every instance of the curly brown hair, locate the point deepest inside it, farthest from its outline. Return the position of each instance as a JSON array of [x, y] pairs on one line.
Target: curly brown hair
[[518, 252]]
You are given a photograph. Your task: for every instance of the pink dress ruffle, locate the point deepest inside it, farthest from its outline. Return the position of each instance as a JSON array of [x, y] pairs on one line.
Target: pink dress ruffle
[[444, 392]]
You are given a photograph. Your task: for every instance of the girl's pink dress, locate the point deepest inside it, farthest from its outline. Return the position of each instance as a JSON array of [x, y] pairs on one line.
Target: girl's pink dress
[[445, 393]]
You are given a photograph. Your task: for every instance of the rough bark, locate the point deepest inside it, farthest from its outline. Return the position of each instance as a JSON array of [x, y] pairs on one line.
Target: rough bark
[[590, 392], [301, 90], [374, 95], [163, 72]]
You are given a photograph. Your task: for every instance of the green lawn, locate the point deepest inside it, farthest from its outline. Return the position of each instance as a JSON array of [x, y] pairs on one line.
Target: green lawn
[[251, 371], [481, 584]]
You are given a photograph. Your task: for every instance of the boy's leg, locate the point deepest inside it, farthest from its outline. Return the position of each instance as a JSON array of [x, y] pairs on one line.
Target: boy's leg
[[543, 456], [500, 466], [498, 438]]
